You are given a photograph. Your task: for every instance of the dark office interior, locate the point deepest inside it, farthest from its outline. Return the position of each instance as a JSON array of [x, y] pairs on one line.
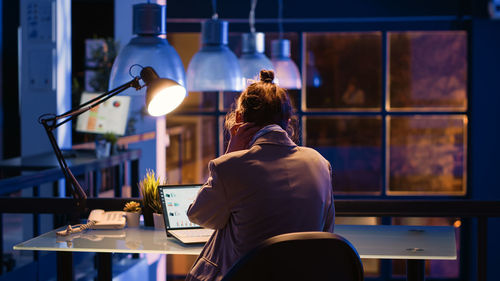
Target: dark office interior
[[399, 96]]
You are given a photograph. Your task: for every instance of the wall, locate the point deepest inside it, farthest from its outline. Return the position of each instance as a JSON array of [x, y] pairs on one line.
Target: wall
[[485, 135], [45, 71]]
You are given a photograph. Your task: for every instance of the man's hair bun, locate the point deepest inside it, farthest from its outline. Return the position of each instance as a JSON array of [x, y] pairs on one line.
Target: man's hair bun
[[266, 76]]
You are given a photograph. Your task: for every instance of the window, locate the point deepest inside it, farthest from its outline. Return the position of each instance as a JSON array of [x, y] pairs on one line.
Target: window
[[390, 106], [398, 132]]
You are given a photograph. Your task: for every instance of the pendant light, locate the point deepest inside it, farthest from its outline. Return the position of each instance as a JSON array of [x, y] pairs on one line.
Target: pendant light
[[253, 59], [287, 72], [148, 48], [215, 67]]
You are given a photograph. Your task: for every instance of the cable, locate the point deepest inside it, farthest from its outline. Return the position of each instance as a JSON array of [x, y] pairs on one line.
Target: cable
[[251, 16], [280, 18], [76, 228], [214, 10]]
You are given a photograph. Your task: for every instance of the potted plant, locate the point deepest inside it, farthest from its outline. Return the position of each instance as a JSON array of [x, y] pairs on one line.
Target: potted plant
[[132, 213], [152, 209]]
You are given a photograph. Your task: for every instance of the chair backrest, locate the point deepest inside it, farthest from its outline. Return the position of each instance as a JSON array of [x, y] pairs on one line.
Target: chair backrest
[[300, 256]]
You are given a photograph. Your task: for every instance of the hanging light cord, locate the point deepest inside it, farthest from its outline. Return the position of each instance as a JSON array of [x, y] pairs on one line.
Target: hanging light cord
[[214, 9], [251, 17], [280, 18]]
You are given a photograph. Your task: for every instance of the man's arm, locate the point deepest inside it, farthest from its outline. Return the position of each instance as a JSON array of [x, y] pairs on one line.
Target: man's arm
[[210, 208]]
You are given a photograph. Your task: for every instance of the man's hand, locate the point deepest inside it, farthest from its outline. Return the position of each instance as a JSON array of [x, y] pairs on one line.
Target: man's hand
[[241, 134]]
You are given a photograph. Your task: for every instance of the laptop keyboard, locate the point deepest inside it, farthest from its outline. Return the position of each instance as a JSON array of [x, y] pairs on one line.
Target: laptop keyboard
[[202, 232]]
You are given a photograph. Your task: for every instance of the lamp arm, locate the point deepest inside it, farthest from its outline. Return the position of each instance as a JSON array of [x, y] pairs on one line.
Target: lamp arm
[[84, 107], [76, 190], [50, 123]]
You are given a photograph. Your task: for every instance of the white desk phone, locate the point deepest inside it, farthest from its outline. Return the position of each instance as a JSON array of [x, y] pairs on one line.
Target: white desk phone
[[107, 220], [98, 219]]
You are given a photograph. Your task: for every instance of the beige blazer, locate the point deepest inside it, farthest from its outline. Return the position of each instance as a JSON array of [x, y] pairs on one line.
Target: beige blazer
[[274, 187]]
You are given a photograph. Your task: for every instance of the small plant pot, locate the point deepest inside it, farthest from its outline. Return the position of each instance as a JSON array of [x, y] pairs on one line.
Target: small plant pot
[[147, 213], [132, 219], [102, 148], [159, 222]]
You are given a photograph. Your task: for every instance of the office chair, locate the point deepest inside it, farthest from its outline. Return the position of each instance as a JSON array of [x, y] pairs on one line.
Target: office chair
[[300, 256]]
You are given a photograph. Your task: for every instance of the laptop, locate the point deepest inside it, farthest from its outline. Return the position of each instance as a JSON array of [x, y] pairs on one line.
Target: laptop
[[175, 201]]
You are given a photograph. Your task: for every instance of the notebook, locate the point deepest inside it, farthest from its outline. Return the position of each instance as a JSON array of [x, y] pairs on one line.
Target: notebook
[[175, 201]]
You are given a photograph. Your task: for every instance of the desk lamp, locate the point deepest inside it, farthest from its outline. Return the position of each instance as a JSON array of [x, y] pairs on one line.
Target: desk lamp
[[162, 96]]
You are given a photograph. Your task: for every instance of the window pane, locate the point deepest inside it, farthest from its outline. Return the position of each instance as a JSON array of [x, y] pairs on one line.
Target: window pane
[[353, 147], [343, 70], [230, 100], [192, 145], [428, 70], [199, 101], [427, 154]]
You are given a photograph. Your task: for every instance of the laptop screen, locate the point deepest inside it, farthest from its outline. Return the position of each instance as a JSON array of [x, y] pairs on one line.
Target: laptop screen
[[175, 201]]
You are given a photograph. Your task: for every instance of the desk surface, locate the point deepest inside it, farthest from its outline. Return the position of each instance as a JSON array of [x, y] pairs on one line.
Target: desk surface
[[371, 241]]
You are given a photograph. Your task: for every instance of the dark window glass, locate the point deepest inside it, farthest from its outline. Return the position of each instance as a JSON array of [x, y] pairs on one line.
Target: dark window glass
[[428, 70], [192, 145], [427, 154], [343, 70], [353, 147]]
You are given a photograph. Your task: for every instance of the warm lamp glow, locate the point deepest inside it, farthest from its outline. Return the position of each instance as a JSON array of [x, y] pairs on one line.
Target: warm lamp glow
[[166, 100], [163, 95]]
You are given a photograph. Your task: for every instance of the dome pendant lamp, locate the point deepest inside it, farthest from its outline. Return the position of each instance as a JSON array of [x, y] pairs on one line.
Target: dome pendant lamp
[[253, 59], [214, 67], [148, 48], [287, 72]]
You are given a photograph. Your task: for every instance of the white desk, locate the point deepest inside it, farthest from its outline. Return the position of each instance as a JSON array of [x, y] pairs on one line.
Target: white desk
[[412, 243]]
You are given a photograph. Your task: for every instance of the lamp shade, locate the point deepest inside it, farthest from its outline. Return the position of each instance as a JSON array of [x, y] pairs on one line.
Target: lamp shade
[[165, 99], [147, 48], [287, 73], [214, 67], [253, 59], [162, 95], [147, 51]]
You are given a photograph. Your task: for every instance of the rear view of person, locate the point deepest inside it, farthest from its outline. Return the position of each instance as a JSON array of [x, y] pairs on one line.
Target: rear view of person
[[264, 185]]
